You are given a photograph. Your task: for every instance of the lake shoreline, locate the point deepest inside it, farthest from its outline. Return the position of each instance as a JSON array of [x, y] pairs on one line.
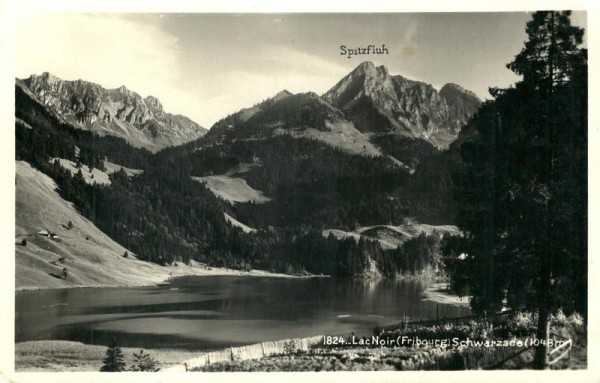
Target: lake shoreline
[[200, 270], [438, 292], [62, 355], [196, 270]]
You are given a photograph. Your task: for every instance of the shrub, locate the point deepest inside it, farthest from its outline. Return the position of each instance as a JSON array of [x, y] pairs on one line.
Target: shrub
[[144, 362], [575, 321], [523, 321], [481, 330], [559, 318], [290, 346], [567, 326]]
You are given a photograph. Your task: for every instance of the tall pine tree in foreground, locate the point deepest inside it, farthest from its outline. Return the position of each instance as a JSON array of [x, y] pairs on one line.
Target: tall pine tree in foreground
[[114, 361], [522, 187]]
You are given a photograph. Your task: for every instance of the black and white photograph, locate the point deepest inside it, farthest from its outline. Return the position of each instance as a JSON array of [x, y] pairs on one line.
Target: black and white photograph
[[206, 193]]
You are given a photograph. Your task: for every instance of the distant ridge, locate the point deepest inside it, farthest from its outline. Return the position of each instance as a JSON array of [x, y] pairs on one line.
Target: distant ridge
[[120, 112]]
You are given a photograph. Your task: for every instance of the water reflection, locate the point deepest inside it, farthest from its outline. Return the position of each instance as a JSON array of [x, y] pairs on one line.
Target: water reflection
[[206, 312]]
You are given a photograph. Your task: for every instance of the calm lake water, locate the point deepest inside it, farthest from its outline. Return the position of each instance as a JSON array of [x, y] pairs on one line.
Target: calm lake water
[[220, 311]]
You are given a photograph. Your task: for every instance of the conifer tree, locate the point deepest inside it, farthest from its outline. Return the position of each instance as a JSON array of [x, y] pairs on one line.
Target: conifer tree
[[550, 60], [523, 190], [114, 361], [144, 362]]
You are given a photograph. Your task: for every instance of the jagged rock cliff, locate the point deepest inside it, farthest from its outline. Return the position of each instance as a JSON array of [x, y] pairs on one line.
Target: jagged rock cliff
[[120, 112], [379, 102]]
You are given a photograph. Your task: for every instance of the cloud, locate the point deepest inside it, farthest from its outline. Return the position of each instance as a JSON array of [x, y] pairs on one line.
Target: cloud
[[110, 50], [114, 50], [283, 68], [303, 62]]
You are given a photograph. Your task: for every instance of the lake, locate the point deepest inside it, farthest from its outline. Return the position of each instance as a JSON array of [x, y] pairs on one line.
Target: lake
[[200, 313]]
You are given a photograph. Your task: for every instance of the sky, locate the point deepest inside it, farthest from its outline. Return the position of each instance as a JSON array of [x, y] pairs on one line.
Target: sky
[[206, 66]]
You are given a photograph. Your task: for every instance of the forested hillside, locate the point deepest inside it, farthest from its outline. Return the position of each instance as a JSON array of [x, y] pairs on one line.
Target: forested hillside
[[296, 167]]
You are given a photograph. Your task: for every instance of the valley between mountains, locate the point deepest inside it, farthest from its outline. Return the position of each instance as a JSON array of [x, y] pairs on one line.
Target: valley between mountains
[[388, 209], [352, 183]]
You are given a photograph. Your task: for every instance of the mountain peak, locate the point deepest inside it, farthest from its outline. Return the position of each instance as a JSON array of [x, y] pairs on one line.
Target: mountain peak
[[450, 88], [368, 68], [452, 85], [154, 103], [120, 112], [48, 76], [45, 77], [282, 94], [365, 65], [379, 102]]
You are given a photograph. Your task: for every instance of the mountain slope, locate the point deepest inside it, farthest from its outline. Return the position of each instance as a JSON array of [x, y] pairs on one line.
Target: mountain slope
[[228, 125], [321, 168], [303, 115], [379, 102], [391, 237], [232, 189], [94, 175], [142, 122], [92, 258]]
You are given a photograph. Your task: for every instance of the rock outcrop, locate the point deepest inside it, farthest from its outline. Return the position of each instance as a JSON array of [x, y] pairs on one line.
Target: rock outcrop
[[119, 112], [381, 103]]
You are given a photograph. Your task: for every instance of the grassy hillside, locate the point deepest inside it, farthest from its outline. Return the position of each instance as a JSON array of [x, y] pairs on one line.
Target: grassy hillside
[[391, 237], [94, 175], [90, 256], [232, 189], [164, 215]]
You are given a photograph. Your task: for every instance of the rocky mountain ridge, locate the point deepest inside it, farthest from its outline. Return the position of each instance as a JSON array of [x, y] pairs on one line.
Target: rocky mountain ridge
[[368, 99], [319, 167], [381, 103], [121, 112]]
